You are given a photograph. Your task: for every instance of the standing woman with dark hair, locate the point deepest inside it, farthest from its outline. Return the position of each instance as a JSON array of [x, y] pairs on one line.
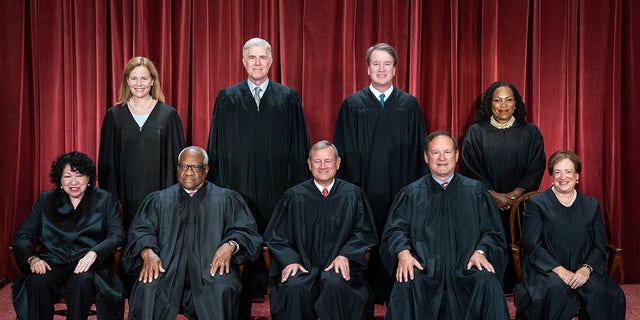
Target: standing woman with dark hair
[[140, 139], [505, 152], [78, 228]]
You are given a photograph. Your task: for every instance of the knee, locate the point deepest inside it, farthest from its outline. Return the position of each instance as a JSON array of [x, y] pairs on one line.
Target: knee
[[332, 281]]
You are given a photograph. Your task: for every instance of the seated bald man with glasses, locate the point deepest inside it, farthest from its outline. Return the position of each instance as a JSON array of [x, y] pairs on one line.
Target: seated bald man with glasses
[[185, 244]]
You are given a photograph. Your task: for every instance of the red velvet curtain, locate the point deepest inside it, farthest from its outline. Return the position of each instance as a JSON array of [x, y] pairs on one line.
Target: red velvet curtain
[[573, 62]]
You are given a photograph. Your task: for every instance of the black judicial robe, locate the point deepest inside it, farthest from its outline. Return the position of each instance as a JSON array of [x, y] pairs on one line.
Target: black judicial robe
[[504, 159], [381, 148], [134, 162], [66, 235], [258, 153], [185, 233], [312, 230], [442, 228], [555, 235]]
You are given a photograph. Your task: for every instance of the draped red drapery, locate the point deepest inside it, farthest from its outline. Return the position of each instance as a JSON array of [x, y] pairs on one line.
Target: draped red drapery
[[573, 62]]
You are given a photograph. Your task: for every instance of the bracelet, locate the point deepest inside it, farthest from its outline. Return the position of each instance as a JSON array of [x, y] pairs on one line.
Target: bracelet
[[588, 267], [32, 259]]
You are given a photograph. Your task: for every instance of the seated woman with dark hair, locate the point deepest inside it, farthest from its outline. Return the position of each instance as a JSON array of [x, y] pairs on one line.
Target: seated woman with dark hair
[[564, 243], [77, 227]]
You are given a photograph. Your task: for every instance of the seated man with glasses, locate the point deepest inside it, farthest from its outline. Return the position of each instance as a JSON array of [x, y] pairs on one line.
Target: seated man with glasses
[[185, 244]]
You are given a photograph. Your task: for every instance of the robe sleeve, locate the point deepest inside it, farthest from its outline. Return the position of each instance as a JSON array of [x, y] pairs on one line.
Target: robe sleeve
[[174, 143], [26, 239], [492, 239], [597, 258], [299, 142], [364, 235], [214, 145], [397, 230], [537, 161], [473, 156], [346, 141], [114, 231], [243, 229], [143, 233], [108, 154], [278, 234], [532, 235]]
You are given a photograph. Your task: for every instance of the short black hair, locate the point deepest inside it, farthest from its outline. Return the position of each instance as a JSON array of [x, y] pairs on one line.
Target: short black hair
[[78, 161]]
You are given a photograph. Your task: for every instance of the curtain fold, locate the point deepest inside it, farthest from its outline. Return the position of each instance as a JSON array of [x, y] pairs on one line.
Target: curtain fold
[[573, 61]]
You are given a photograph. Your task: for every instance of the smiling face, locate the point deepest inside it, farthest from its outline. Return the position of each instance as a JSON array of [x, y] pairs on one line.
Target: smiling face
[[503, 103], [140, 82], [73, 183], [564, 176], [257, 62], [191, 170], [441, 156], [324, 165], [381, 70]]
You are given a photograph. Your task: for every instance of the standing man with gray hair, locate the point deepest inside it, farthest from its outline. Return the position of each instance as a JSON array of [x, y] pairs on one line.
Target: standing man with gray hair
[[258, 144]]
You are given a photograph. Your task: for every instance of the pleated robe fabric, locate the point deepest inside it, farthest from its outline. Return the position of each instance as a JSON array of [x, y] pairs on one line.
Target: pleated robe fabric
[[312, 230], [66, 235], [503, 159], [381, 150], [185, 233], [135, 161], [442, 229], [555, 235]]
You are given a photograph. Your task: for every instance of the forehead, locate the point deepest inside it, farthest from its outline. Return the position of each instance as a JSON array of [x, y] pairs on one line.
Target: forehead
[[192, 157], [324, 153], [564, 164], [502, 92], [440, 143], [140, 71], [380, 56], [257, 50]]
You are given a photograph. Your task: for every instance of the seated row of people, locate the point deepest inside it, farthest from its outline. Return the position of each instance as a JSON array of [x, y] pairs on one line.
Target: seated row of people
[[443, 242]]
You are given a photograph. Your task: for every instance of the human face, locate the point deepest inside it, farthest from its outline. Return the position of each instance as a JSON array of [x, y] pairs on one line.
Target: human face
[[73, 183], [191, 170], [503, 103], [140, 82], [381, 70], [441, 156], [324, 165], [564, 177], [257, 63]]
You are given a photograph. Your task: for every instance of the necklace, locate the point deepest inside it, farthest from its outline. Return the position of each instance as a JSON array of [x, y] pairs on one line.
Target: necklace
[[505, 125], [141, 109], [565, 201]]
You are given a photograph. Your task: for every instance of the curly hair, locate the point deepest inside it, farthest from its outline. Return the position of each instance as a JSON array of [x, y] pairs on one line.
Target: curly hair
[[79, 162], [484, 110]]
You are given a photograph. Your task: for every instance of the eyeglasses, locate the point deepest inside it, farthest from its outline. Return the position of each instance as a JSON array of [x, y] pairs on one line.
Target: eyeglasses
[[508, 100], [567, 173], [193, 167]]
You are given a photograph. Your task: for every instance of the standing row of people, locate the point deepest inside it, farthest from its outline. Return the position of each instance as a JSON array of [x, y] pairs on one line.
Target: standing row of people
[[181, 237]]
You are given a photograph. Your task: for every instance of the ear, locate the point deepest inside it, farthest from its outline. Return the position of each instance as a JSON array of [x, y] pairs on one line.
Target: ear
[[338, 163]]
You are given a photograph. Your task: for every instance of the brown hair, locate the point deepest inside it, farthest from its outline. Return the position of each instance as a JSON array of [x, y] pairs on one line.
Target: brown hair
[[125, 93], [561, 155]]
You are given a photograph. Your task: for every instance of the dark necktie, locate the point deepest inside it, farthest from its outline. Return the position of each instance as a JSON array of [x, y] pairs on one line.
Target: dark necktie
[[382, 99], [256, 96], [325, 192], [445, 185]]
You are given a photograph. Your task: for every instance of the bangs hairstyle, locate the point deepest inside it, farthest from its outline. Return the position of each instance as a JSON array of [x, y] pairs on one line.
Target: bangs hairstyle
[[561, 155]]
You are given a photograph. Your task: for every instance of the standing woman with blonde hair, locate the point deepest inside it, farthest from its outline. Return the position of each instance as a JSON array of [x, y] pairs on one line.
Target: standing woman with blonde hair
[[140, 139]]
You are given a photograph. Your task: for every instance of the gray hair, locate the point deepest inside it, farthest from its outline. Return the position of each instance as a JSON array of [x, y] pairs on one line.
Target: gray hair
[[196, 149], [256, 42], [323, 144]]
